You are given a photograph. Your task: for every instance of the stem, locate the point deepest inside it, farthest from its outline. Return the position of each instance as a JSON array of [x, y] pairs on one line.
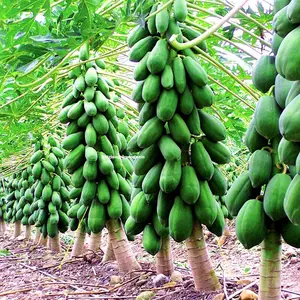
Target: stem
[[78, 247], [159, 10], [109, 251], [43, 241], [37, 236], [2, 227], [95, 241], [124, 255], [197, 8], [270, 267], [209, 32], [203, 273], [164, 259], [55, 244], [13, 100], [111, 8], [17, 230], [28, 232]]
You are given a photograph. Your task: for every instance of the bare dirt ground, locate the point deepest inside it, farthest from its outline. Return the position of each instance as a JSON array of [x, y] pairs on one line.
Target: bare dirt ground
[[31, 272]]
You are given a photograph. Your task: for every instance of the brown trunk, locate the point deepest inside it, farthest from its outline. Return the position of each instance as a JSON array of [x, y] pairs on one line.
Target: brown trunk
[[109, 251], [164, 260], [95, 241], [78, 247], [203, 273], [43, 241], [270, 267], [55, 244], [28, 232], [17, 230], [37, 236], [124, 255], [2, 227]]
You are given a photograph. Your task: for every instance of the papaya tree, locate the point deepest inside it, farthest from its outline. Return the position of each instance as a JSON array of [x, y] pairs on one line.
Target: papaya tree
[[3, 213], [264, 197], [180, 145], [100, 177], [51, 194]]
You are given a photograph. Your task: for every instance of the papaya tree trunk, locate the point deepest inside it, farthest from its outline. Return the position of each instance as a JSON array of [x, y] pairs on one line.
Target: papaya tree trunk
[[95, 241], [78, 247], [28, 232], [203, 273], [270, 267], [17, 230], [55, 244], [37, 236], [164, 259], [2, 227], [43, 241], [124, 255], [109, 251]]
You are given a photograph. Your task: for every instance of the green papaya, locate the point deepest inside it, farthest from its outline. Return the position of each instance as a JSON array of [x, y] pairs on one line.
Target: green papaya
[[282, 88], [281, 23], [186, 102], [162, 20], [167, 104], [170, 176], [147, 112], [180, 10], [146, 160], [288, 151], [191, 34], [151, 240], [290, 233], [251, 224], [179, 74], [140, 48], [189, 187], [218, 225], [276, 42], [132, 227], [217, 151], [203, 96], [135, 35], [179, 130], [193, 122], [158, 57], [293, 92], [141, 71], [218, 183], [274, 196], [151, 22], [293, 12], [167, 77], [151, 88], [150, 183], [169, 148], [291, 201], [252, 139], [96, 216], [195, 71], [141, 210]]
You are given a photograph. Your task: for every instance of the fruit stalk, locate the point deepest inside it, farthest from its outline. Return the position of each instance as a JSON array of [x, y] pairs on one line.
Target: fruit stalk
[[164, 260], [78, 247], [203, 273], [28, 232], [270, 267], [124, 255], [95, 241], [17, 230]]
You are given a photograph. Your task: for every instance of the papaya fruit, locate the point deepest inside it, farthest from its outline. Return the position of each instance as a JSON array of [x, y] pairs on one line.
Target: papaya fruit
[[91, 76], [289, 121], [279, 4], [288, 57], [158, 57], [203, 96], [164, 204], [73, 140], [239, 193], [217, 151], [191, 34], [293, 12], [179, 130], [150, 183], [251, 224], [151, 240], [141, 71], [288, 151], [170, 176], [180, 10], [291, 201], [147, 112], [84, 120], [169, 148], [218, 183], [151, 22], [267, 124], [290, 233], [186, 102], [252, 139], [260, 168], [282, 88], [180, 220], [88, 192], [189, 188], [140, 48], [162, 20], [167, 104], [276, 42], [264, 73], [75, 158], [195, 71], [96, 216], [193, 122], [159, 228], [103, 192], [201, 161], [100, 124], [293, 92], [218, 225], [141, 210], [90, 170], [274, 196], [114, 206], [101, 102], [146, 160], [212, 127], [132, 227], [281, 24], [90, 108], [135, 35], [205, 208], [180, 76], [151, 88], [167, 77]]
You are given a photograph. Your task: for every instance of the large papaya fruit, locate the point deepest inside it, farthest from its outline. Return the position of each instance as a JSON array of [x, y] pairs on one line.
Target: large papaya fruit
[[291, 201]]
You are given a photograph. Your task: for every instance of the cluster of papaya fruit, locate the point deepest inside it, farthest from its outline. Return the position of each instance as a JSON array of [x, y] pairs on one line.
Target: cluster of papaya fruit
[[51, 189], [265, 196], [3, 191], [95, 139], [179, 143]]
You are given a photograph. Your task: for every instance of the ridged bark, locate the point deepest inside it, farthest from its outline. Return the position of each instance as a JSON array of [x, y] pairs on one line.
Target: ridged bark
[[37, 236], [17, 229], [270, 267], [95, 241], [43, 241], [164, 259], [124, 255], [55, 244], [109, 251], [202, 270]]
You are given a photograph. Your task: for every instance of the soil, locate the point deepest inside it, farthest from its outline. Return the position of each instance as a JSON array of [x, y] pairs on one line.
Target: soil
[[31, 272]]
